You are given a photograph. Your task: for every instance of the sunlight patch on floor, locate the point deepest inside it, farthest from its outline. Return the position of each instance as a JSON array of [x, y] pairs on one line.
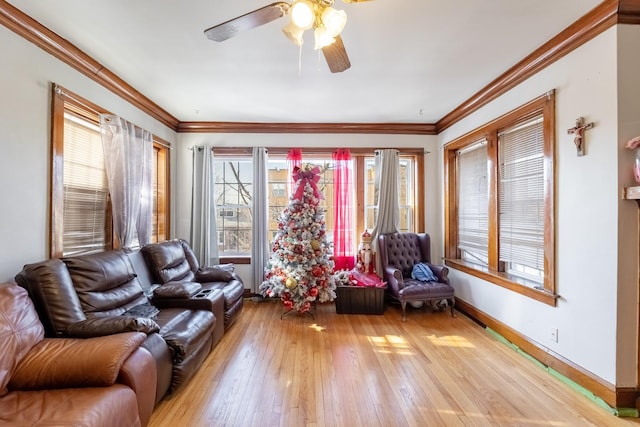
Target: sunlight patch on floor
[[504, 420], [450, 341], [317, 327], [390, 344]]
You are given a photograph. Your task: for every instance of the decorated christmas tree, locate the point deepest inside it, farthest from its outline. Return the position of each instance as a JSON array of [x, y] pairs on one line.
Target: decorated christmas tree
[[299, 270]]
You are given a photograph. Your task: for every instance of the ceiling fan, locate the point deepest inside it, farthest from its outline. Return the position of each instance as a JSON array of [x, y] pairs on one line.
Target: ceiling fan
[[326, 22]]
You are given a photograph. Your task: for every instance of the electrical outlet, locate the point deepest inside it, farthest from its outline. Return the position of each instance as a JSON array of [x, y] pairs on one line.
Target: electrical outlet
[[554, 335]]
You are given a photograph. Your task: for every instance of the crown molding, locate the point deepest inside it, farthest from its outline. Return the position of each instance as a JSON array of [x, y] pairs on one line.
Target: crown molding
[[629, 12], [346, 128], [33, 31], [600, 18]]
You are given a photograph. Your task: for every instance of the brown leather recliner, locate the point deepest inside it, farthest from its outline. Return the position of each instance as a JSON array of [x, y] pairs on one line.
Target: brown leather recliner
[[102, 381], [399, 253], [99, 294], [174, 261]]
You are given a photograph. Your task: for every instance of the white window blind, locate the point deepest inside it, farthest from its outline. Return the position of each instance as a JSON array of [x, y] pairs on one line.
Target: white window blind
[[85, 189], [521, 198], [473, 203]]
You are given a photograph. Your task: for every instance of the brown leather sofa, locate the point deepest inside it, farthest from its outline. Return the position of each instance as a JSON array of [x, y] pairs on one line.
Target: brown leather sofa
[[103, 381], [173, 261], [101, 294]]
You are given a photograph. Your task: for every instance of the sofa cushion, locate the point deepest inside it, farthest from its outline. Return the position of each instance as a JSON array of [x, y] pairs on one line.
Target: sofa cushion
[[95, 407], [51, 290], [69, 362], [20, 330], [168, 262], [105, 283]]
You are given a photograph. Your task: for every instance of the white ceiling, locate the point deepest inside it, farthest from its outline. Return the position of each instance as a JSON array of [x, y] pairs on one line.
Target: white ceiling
[[412, 61]]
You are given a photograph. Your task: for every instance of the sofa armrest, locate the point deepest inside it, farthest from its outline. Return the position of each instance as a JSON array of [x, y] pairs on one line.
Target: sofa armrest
[[70, 362], [394, 279], [176, 290], [138, 372], [214, 274], [109, 325], [441, 272]]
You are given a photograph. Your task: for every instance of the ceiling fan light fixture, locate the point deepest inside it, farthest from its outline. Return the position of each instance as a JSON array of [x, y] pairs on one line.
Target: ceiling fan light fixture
[[302, 14], [322, 38], [294, 33], [334, 20]]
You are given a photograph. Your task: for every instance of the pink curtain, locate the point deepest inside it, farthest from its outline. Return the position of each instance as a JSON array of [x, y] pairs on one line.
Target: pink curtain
[[294, 158], [343, 250]]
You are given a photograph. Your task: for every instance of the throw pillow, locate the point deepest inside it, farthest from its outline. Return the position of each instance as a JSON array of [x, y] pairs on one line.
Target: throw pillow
[[422, 272]]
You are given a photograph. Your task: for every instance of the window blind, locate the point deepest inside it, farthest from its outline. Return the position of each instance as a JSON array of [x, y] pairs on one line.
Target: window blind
[[473, 203], [521, 195], [85, 189]]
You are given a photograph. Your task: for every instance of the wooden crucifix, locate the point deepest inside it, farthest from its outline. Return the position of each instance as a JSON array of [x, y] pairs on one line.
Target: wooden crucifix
[[578, 130]]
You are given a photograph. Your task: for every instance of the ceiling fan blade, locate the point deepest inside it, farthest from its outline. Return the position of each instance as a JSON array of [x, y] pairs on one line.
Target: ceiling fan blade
[[256, 18], [336, 56]]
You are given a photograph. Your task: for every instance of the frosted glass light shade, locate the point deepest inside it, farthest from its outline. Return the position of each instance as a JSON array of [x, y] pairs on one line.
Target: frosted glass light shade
[[322, 38], [302, 14], [293, 33], [334, 20]]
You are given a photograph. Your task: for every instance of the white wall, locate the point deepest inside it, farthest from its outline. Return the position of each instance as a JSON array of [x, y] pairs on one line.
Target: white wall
[[587, 208], [183, 189], [26, 75]]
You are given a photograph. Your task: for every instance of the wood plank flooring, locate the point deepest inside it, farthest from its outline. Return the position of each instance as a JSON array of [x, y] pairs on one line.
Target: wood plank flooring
[[358, 370]]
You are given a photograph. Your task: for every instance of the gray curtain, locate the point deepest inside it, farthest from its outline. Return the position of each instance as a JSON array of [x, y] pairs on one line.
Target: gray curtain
[[128, 157], [204, 236], [260, 211], [387, 183]]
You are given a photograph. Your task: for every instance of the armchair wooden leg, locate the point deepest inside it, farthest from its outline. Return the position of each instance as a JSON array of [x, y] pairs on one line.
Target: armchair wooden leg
[[452, 302], [404, 310]]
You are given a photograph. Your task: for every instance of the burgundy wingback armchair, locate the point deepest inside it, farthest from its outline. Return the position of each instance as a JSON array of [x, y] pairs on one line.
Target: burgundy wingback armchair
[[399, 252]]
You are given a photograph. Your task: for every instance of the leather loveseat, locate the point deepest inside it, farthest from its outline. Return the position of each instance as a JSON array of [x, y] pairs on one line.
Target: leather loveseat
[[103, 381], [173, 261], [101, 294]]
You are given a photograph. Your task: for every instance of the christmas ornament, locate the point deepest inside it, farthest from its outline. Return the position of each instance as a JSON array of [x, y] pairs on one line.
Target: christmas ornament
[[291, 283]]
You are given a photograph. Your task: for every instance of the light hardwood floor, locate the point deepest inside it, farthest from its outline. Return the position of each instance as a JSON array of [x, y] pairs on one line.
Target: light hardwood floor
[[358, 370]]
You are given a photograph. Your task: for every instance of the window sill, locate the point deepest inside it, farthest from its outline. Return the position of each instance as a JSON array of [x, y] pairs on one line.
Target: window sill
[[513, 283], [235, 260]]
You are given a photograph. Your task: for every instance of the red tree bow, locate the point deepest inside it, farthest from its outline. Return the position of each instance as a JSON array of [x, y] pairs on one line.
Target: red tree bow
[[311, 176]]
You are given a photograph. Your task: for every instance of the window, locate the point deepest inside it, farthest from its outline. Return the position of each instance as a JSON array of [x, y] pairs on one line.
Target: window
[[80, 208], [473, 204], [278, 175], [521, 199], [233, 192], [85, 192], [500, 202]]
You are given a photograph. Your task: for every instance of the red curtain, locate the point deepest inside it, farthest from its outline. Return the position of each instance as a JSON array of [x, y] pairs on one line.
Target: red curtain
[[343, 250], [294, 158]]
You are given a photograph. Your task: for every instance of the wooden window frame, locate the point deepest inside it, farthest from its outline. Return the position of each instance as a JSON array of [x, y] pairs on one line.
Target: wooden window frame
[[546, 293], [359, 155], [61, 99]]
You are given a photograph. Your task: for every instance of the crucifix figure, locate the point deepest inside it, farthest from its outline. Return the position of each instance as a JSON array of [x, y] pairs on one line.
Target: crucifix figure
[[578, 131]]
